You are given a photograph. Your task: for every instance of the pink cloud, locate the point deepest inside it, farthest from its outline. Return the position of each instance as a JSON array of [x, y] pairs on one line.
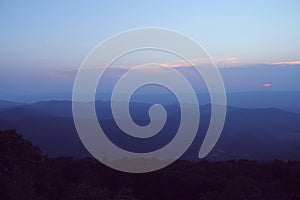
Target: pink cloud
[[285, 63], [219, 61]]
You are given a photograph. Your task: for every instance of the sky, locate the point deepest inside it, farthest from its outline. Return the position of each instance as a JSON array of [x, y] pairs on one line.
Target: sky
[[43, 43]]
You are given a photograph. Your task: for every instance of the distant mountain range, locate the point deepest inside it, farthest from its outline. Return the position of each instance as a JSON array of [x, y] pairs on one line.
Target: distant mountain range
[[285, 100], [4, 105], [256, 133]]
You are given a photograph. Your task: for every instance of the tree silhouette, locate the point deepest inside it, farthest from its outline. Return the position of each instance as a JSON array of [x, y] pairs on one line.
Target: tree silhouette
[[27, 174]]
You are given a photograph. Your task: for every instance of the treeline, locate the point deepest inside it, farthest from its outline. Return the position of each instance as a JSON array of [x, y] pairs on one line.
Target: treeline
[[27, 174]]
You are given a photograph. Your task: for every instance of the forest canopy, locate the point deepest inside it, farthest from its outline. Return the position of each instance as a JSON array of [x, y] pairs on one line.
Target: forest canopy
[[25, 173]]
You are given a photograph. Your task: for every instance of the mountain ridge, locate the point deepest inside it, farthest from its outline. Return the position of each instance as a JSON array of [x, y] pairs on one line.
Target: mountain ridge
[[259, 133]]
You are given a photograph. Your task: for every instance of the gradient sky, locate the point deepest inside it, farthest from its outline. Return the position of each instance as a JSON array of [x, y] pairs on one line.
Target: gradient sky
[[43, 42]]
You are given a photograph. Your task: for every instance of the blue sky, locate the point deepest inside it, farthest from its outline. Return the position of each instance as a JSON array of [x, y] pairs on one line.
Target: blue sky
[[41, 40]]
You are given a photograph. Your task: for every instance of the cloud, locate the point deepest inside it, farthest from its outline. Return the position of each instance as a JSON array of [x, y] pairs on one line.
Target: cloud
[[284, 63], [227, 61], [267, 85], [219, 61]]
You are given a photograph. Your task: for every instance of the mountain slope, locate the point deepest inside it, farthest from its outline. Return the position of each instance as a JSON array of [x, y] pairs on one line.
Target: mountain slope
[[263, 134]]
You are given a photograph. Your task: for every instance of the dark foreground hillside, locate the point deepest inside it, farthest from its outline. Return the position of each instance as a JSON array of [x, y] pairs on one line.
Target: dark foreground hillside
[[27, 174]]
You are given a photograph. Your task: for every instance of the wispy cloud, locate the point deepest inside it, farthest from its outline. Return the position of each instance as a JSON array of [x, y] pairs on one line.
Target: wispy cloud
[[284, 63], [227, 61], [219, 61]]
